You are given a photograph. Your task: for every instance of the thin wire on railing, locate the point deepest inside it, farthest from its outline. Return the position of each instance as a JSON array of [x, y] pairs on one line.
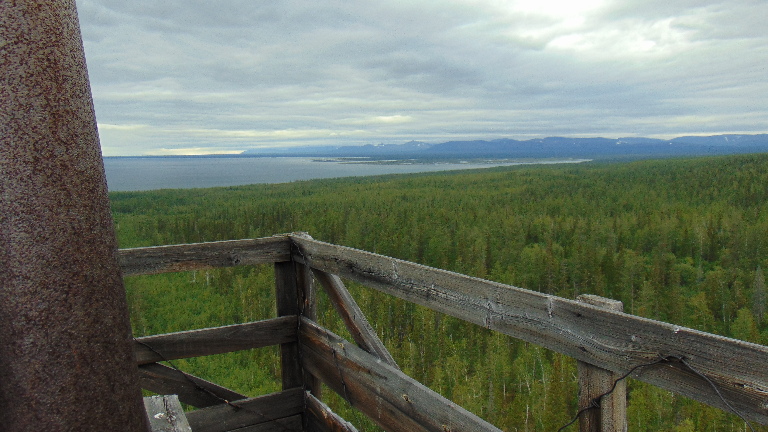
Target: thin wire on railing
[[714, 387], [186, 377], [595, 402]]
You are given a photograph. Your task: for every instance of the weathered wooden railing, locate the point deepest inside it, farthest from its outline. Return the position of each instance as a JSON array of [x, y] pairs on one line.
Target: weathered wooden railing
[[718, 371]]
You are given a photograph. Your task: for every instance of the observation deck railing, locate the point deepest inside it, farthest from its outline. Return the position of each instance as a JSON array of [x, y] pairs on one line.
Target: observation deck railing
[[608, 344]]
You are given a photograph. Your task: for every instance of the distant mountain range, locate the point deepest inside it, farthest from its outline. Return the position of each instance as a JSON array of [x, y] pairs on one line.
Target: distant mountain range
[[553, 147]]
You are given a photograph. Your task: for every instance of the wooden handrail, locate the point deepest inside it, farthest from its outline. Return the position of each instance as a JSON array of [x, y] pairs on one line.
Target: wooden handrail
[[199, 256], [610, 340]]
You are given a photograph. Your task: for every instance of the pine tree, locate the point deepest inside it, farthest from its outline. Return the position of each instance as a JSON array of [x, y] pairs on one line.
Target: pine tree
[[744, 328], [758, 296]]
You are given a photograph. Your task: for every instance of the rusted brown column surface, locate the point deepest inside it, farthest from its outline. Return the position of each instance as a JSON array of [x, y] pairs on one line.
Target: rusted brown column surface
[[65, 353]]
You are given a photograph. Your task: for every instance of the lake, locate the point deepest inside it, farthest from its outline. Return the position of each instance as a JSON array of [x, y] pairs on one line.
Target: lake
[[149, 173]]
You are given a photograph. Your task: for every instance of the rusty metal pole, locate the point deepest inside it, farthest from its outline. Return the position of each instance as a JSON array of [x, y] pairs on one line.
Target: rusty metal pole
[[66, 359]]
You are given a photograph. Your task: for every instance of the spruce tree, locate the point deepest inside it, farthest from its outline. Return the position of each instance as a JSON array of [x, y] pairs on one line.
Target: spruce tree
[[758, 296]]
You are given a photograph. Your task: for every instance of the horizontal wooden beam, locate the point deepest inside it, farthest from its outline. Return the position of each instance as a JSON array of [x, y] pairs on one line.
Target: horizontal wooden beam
[[217, 340], [608, 339], [198, 256], [275, 412], [393, 400], [287, 424], [320, 418], [192, 390], [354, 318]]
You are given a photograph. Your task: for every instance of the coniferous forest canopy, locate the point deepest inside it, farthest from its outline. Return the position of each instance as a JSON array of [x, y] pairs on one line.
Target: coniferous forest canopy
[[679, 240]]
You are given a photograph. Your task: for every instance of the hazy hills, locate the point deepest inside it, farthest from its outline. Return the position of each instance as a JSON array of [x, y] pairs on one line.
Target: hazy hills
[[539, 148]]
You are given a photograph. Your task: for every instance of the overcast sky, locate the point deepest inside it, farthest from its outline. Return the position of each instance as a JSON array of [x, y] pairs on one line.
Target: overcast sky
[[194, 77]]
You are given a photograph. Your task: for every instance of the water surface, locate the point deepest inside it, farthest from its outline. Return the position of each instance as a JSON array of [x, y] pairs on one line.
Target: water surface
[[149, 173]]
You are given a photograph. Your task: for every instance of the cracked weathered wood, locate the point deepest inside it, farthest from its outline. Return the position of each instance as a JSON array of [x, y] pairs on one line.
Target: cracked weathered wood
[[393, 400], [287, 298], [200, 256], [307, 296], [218, 340], [320, 418], [165, 414], [608, 339], [354, 318], [190, 389], [611, 415], [274, 412]]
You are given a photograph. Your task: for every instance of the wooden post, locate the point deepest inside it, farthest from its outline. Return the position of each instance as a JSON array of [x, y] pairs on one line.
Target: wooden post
[[286, 296], [295, 295], [66, 360], [594, 381], [308, 309]]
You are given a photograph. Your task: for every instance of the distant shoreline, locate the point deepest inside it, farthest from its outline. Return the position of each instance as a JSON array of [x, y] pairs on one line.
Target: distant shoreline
[[137, 173], [375, 160], [437, 161]]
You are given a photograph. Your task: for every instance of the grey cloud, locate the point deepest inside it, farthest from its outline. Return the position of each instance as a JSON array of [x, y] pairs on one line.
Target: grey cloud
[[257, 72]]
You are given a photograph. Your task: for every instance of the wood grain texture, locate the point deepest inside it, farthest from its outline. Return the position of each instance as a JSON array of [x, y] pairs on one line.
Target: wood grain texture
[[354, 318], [307, 301], [287, 298], [611, 414], [165, 414], [276, 410], [287, 424], [191, 390], [198, 256], [393, 400], [196, 343], [608, 339], [320, 418]]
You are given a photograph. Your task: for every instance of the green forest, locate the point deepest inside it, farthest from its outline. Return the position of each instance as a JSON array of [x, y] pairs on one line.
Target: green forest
[[678, 240]]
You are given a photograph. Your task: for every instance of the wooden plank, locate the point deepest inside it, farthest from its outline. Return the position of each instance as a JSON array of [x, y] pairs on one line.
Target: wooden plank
[[305, 283], [307, 298], [354, 318], [198, 256], [393, 400], [320, 418], [287, 298], [608, 339], [276, 408], [308, 309], [165, 414], [287, 424], [191, 390], [196, 343], [611, 413]]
